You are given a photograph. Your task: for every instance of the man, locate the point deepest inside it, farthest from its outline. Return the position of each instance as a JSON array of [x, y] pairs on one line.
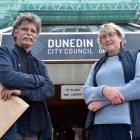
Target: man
[[25, 76]]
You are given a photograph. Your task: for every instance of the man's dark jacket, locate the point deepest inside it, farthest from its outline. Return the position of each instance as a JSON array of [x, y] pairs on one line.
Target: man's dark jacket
[[128, 59], [22, 71]]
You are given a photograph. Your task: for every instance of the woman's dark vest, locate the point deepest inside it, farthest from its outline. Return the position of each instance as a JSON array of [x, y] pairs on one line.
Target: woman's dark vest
[[128, 59]]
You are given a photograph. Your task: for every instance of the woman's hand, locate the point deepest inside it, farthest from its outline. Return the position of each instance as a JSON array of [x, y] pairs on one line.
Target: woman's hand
[[95, 106], [113, 95]]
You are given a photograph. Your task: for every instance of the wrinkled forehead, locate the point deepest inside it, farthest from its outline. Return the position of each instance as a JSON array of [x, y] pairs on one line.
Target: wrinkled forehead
[[106, 29]]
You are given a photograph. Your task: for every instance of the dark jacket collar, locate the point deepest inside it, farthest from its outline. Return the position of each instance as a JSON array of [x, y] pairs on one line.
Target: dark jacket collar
[[21, 50], [128, 59]]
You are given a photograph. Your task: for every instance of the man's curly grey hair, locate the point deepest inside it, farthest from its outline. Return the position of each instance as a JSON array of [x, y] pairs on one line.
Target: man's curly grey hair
[[29, 17]]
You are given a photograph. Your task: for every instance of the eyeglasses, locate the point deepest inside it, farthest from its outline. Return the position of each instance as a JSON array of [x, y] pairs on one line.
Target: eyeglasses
[[110, 35]]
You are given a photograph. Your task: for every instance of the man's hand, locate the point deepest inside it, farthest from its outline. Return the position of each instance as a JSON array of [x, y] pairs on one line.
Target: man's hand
[[95, 106], [6, 94], [16, 92], [113, 95]]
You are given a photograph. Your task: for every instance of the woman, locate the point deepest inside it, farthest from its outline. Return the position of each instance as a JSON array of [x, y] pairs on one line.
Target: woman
[[112, 83]]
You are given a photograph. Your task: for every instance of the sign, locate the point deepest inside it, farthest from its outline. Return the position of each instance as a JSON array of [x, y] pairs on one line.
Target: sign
[[72, 92], [71, 46]]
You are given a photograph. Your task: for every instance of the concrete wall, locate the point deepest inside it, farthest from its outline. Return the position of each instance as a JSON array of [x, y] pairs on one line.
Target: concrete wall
[[69, 73]]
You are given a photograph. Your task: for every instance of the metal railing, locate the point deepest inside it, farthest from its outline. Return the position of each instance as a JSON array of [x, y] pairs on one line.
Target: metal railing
[[72, 10]]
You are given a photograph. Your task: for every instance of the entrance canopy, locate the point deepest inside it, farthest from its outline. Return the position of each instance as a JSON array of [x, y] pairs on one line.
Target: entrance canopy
[[71, 11]]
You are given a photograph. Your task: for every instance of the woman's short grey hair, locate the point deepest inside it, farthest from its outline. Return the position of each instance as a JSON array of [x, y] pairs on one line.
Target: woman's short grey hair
[[29, 17], [106, 26]]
